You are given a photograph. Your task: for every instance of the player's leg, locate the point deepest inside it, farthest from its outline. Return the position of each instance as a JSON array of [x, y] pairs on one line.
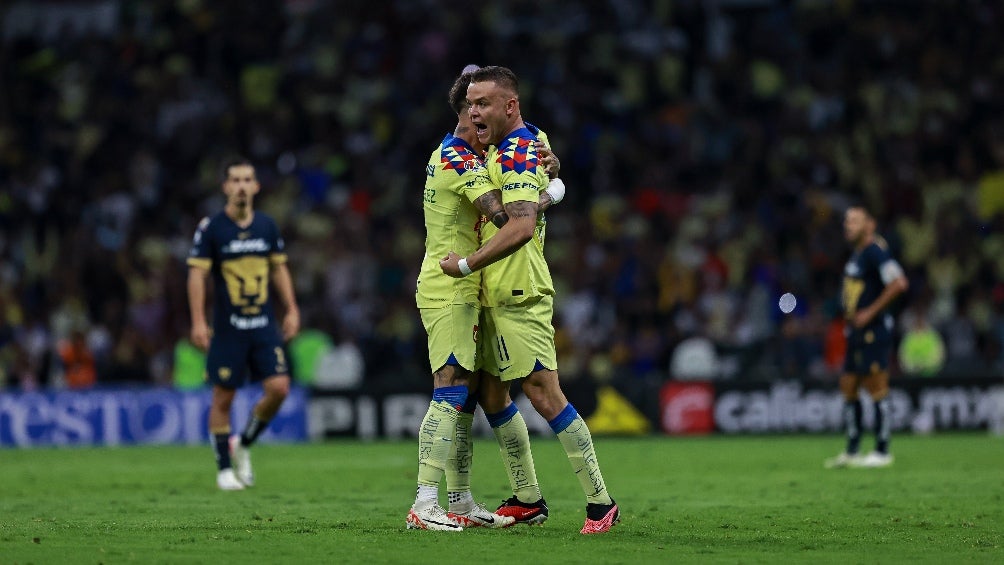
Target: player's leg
[[219, 429], [852, 415], [435, 439], [850, 383], [535, 356], [458, 464], [462, 507], [225, 362], [543, 390], [877, 385], [449, 396], [267, 358], [526, 505]]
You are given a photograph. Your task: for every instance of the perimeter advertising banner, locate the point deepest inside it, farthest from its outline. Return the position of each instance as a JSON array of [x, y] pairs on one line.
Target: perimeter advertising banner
[[918, 405], [140, 416]]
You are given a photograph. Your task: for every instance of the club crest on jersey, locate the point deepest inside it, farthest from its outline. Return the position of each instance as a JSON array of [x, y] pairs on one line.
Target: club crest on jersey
[[517, 156], [458, 158]]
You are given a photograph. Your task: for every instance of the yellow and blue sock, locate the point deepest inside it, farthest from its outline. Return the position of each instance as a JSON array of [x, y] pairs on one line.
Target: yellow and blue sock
[[458, 466], [436, 435], [574, 436], [514, 444]]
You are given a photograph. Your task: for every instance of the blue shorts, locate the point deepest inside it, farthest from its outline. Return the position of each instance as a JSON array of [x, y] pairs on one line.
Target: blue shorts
[[236, 353], [867, 353]]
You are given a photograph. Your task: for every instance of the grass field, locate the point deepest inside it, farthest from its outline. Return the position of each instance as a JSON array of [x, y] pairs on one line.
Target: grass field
[[693, 500]]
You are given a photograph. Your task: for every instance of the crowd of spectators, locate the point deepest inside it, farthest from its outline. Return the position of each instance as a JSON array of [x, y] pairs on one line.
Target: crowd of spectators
[[709, 149]]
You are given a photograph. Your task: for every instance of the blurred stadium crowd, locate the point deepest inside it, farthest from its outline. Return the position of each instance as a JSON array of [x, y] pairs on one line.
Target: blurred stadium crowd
[[709, 149]]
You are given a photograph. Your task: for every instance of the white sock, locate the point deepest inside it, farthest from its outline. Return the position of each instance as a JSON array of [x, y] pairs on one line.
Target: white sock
[[426, 495], [461, 499]]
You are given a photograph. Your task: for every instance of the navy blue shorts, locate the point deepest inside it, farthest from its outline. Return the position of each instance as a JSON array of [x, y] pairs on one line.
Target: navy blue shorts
[[233, 355], [867, 353]]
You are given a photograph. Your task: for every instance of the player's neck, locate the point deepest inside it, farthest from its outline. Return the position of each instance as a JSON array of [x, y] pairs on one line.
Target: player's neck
[[865, 242], [242, 216], [517, 124], [469, 135]]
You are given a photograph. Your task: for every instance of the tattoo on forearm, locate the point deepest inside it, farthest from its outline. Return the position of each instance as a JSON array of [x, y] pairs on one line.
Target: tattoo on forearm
[[490, 203], [500, 218], [521, 209]]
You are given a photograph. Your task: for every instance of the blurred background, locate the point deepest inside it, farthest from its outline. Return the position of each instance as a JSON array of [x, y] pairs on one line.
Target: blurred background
[[709, 149]]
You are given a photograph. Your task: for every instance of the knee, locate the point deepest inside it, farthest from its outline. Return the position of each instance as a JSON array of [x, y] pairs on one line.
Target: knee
[[451, 375], [544, 392], [877, 385], [222, 399], [277, 388], [849, 387], [493, 401]]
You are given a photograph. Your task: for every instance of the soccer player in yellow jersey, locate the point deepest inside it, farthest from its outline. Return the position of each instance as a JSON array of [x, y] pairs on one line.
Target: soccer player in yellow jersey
[[458, 199], [518, 294]]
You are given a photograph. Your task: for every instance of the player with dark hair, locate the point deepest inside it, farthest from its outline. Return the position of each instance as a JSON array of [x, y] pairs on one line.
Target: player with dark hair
[[243, 251], [872, 280], [458, 200], [518, 292]]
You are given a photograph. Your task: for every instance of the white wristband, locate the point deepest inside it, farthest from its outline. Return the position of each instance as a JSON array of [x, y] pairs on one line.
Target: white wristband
[[462, 264], [556, 190]]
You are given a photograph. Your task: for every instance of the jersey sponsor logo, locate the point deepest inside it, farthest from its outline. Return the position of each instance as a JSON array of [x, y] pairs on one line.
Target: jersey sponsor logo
[[518, 185], [246, 246], [852, 270], [248, 323], [517, 157]]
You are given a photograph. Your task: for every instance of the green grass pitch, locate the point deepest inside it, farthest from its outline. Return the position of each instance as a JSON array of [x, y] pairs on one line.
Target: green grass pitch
[[763, 499]]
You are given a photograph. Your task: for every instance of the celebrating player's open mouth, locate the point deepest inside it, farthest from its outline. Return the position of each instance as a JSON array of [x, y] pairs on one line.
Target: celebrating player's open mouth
[[482, 132]]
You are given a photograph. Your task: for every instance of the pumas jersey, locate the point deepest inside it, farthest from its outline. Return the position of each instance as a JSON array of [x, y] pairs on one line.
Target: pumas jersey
[[514, 167], [240, 260], [865, 276], [455, 178]]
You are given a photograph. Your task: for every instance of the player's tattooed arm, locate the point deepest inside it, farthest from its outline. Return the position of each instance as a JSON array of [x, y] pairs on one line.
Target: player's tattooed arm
[[522, 209], [490, 205], [544, 202], [513, 235]]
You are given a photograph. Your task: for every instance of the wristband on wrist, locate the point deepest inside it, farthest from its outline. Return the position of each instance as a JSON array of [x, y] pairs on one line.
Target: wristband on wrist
[[556, 190], [464, 268]]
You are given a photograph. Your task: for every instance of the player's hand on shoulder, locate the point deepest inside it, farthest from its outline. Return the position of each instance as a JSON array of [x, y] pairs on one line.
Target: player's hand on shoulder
[[548, 159]]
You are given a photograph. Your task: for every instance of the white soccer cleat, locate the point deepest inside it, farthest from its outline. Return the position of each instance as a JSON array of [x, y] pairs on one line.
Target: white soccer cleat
[[842, 461], [874, 460], [241, 457], [431, 516], [475, 515], [227, 480]]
